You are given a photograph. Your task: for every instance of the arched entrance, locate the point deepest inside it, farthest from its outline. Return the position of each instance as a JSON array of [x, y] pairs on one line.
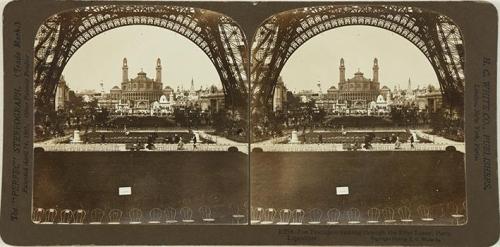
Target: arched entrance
[[281, 35], [61, 35]]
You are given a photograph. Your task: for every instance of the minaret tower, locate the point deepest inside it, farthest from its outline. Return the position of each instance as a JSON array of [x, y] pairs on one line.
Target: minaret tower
[[125, 71], [158, 70], [410, 91], [342, 71], [375, 70]]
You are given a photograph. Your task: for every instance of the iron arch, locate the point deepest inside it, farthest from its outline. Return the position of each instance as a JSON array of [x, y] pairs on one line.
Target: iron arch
[[218, 36], [435, 35]]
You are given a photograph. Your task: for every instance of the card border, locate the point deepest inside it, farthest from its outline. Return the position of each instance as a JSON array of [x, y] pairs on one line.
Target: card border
[[478, 22]]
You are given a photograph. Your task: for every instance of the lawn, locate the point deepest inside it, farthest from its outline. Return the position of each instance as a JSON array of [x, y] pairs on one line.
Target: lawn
[[158, 180], [375, 179]]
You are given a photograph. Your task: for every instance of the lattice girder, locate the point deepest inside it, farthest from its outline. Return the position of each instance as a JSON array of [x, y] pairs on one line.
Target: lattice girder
[[435, 35], [61, 35]]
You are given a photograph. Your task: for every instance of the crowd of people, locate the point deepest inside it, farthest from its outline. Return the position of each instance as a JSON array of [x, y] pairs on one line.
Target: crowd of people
[[368, 139], [137, 143]]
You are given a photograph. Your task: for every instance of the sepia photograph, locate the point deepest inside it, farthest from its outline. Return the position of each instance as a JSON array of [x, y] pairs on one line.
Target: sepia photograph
[[358, 117], [140, 117], [249, 123]]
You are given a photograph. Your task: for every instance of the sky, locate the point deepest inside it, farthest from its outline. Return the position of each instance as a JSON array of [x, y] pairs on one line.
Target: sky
[[318, 59], [100, 59]]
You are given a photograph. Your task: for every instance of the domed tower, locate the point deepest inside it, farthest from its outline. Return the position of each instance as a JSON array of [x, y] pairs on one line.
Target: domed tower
[[279, 97], [62, 94]]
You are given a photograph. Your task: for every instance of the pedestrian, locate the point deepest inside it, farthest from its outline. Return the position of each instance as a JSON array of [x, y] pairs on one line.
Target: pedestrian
[[320, 138], [393, 138], [180, 144], [356, 146], [150, 146], [397, 144], [368, 139], [412, 140], [194, 142]]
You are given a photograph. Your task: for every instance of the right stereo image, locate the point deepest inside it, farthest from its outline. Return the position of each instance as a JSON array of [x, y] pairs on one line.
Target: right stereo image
[[357, 117]]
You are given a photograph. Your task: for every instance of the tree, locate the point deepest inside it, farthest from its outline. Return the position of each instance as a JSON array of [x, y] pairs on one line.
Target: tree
[[431, 88], [179, 117], [292, 101], [219, 121], [319, 116], [102, 117]]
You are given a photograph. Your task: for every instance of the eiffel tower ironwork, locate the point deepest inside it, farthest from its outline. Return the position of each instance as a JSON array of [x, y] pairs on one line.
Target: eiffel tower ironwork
[[220, 38], [437, 36]]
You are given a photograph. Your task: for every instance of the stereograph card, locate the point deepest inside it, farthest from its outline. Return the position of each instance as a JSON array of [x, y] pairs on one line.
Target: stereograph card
[[250, 123]]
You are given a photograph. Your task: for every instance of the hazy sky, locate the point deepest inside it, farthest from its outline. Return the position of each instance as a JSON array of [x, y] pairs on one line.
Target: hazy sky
[[100, 59], [319, 58]]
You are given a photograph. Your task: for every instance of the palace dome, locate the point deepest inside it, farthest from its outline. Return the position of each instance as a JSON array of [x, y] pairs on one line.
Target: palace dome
[[141, 77], [358, 77]]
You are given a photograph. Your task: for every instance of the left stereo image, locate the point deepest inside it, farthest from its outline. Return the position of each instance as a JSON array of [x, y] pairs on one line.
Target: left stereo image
[[140, 117]]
